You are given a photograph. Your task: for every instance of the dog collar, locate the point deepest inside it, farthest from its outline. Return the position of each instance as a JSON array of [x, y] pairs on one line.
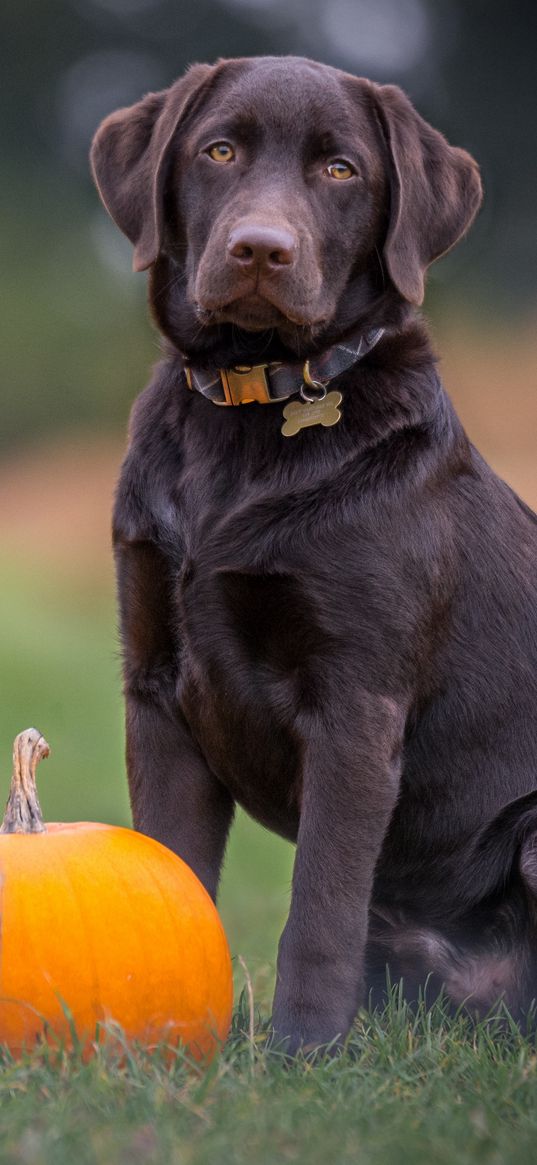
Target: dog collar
[[269, 383]]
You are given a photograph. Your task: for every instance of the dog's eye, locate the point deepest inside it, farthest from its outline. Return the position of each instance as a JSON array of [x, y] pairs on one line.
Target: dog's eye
[[340, 170], [221, 152]]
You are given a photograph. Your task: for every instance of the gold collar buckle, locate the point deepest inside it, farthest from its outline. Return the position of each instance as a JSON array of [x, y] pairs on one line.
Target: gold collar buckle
[[245, 383]]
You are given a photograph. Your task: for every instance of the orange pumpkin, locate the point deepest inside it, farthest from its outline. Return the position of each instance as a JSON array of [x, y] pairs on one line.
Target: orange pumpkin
[[101, 923]]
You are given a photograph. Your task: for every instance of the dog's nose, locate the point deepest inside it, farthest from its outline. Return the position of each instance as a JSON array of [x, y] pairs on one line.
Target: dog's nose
[[266, 248]]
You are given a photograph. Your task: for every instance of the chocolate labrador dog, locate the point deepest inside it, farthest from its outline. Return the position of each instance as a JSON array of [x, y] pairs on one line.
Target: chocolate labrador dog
[[328, 599]]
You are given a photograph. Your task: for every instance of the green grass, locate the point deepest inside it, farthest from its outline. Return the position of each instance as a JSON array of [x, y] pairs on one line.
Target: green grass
[[408, 1091]]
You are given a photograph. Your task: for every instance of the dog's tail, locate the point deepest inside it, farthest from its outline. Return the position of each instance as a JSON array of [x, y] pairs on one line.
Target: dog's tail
[[503, 848]]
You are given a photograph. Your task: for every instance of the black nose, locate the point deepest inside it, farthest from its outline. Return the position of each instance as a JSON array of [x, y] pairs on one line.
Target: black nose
[[253, 245]]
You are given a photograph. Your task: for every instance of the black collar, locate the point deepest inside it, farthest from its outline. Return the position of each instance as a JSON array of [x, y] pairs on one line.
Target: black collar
[[266, 383]]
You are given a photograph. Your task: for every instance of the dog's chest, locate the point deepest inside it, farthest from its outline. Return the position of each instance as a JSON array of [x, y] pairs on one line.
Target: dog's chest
[[246, 629], [239, 685], [256, 599]]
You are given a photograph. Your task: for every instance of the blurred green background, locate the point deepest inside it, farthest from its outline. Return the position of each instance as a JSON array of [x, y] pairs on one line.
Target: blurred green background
[[77, 345]]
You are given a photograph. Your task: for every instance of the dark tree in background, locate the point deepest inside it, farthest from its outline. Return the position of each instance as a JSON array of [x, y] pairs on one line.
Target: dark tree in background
[[75, 337]]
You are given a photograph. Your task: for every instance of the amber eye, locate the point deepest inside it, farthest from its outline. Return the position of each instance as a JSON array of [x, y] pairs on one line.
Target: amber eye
[[221, 152], [340, 170]]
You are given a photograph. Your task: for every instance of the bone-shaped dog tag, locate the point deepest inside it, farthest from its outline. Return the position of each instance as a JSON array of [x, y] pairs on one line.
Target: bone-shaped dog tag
[[300, 414]]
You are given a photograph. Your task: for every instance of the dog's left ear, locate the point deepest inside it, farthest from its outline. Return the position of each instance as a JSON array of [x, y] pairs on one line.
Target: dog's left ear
[[435, 192], [129, 155]]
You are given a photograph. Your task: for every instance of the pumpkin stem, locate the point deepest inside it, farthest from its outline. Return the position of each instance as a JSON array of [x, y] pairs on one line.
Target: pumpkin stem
[[23, 811]]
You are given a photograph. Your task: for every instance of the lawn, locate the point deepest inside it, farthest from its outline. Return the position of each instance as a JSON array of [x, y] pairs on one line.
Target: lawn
[[406, 1090]]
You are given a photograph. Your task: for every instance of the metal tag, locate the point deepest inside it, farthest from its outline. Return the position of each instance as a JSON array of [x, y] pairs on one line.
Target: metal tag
[[300, 414]]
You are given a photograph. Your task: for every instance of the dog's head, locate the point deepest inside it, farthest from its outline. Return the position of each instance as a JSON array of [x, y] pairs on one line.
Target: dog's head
[[278, 193]]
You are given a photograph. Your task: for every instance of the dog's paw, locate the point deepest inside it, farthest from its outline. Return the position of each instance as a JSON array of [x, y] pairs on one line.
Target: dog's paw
[[294, 1047]]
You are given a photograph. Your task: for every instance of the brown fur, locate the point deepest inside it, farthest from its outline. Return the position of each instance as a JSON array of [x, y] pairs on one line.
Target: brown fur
[[338, 631]]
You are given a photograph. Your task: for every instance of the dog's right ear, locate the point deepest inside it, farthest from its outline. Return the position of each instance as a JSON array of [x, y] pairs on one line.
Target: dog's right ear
[[129, 157]]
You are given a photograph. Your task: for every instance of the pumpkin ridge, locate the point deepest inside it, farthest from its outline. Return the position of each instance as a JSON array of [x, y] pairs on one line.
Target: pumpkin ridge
[[161, 848], [127, 894], [173, 918], [6, 997], [203, 892], [88, 937]]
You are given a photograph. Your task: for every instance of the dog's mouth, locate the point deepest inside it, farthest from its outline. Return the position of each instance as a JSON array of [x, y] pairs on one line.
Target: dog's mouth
[[254, 313]]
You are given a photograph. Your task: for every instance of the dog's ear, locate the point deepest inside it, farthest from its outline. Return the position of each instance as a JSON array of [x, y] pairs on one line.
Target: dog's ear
[[129, 155], [435, 192]]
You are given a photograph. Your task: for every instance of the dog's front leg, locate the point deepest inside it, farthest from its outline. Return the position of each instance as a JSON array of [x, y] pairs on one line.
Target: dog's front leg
[[349, 788], [175, 797]]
